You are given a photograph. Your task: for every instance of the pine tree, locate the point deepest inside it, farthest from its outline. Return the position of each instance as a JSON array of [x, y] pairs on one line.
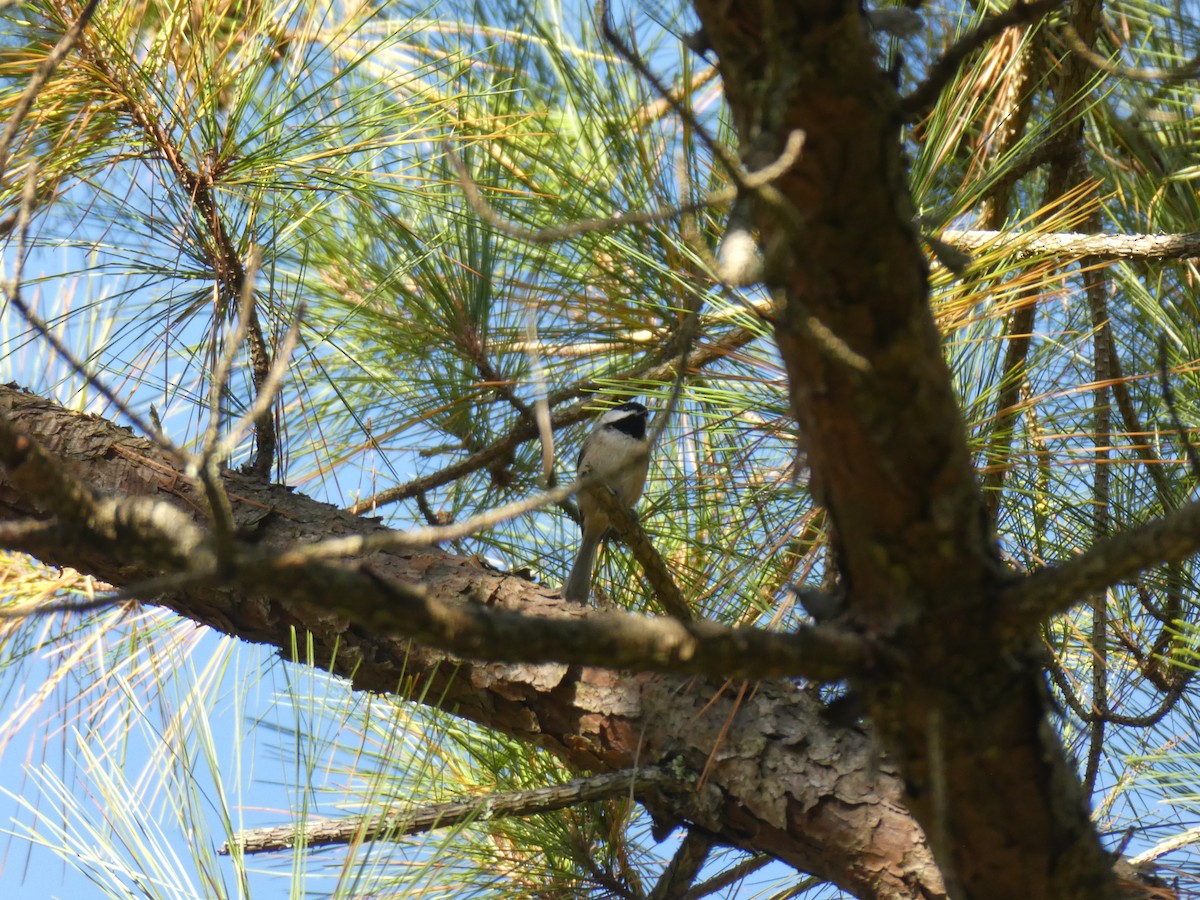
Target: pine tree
[[312, 304]]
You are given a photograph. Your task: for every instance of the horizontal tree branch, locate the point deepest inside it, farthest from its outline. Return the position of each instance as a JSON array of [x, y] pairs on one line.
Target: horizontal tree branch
[[1101, 246], [414, 819]]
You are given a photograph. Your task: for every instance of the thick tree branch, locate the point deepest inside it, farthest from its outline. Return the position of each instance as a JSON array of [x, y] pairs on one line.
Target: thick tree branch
[[465, 625], [781, 780]]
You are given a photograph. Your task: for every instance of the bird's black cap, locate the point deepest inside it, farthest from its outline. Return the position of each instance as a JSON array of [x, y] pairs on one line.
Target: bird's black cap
[[633, 424]]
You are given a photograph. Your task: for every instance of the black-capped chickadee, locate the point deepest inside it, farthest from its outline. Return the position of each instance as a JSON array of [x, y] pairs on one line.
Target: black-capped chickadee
[[617, 454]]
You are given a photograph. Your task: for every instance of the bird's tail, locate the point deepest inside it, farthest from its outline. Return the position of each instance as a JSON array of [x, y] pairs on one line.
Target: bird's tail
[[579, 583]]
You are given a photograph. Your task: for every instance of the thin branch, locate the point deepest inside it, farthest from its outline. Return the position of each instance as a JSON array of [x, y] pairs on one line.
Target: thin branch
[[1171, 696], [685, 865], [940, 73], [1180, 73], [1101, 246], [653, 370], [1059, 676], [736, 873], [1132, 424], [661, 581], [1168, 845], [1095, 288], [415, 538], [268, 390], [207, 463], [541, 407], [414, 819], [224, 363], [1174, 537]]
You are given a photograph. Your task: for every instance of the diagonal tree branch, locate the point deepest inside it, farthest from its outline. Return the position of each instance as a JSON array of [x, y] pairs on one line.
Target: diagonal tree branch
[[657, 369], [166, 540], [1173, 538], [833, 806], [681, 872]]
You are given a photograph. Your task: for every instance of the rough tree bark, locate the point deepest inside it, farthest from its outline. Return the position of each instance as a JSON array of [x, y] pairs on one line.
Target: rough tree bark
[[782, 780], [955, 696], [961, 707]]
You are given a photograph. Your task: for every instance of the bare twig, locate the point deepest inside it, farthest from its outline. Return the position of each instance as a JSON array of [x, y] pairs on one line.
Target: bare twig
[[414, 819], [1183, 72], [361, 545], [652, 370], [1100, 246], [1091, 716], [224, 363], [358, 545], [541, 407], [206, 465]]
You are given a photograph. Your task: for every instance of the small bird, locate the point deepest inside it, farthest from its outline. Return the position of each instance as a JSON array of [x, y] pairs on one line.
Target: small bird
[[616, 451]]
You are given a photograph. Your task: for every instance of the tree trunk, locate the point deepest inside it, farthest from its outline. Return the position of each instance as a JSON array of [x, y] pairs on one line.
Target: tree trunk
[[959, 706]]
